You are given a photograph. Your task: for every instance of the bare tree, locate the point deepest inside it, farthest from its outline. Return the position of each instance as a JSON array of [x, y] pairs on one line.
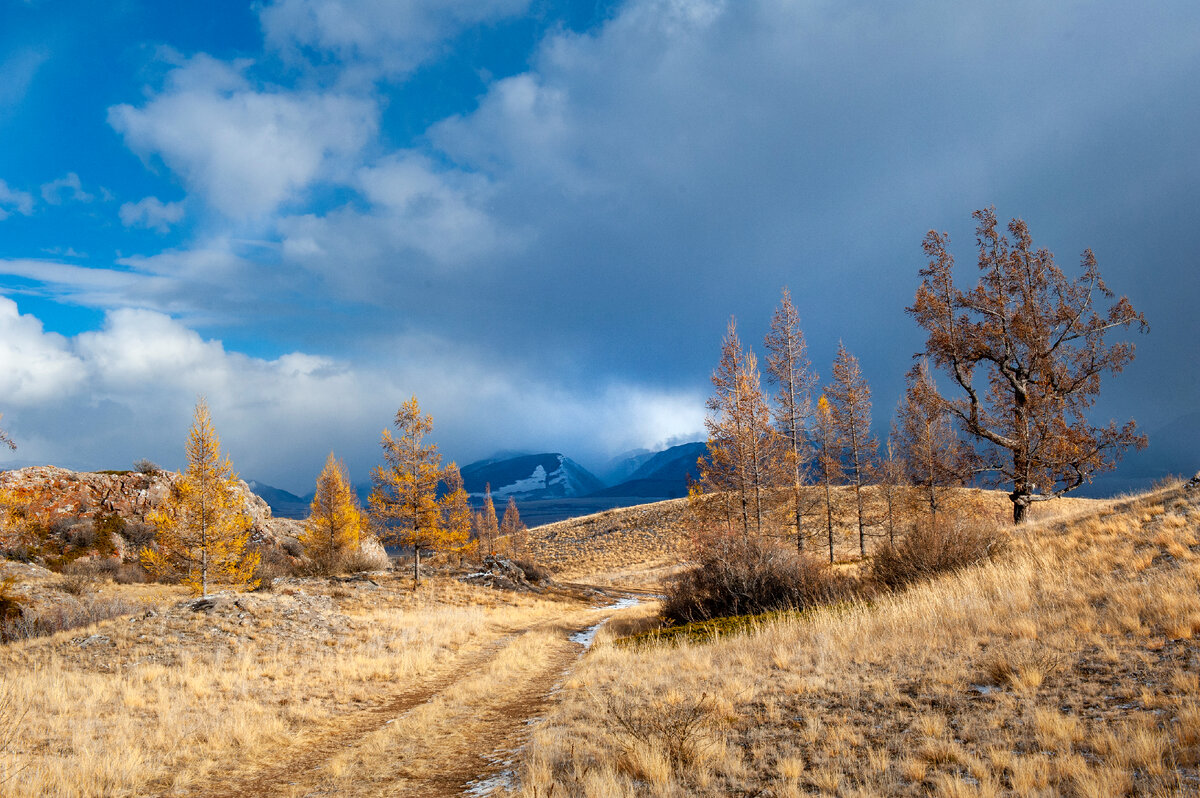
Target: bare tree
[[789, 368], [744, 453], [828, 460], [850, 401], [934, 458], [1037, 339]]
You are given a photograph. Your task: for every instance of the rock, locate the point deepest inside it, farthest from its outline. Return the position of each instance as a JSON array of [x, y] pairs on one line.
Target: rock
[[1194, 481], [53, 493]]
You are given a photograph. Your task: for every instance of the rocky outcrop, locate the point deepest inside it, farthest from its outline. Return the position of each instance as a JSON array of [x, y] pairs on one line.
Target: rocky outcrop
[[50, 494]]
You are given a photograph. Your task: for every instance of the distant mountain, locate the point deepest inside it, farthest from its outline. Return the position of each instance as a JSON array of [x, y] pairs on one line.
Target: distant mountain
[[621, 467], [664, 475], [530, 477], [283, 504]]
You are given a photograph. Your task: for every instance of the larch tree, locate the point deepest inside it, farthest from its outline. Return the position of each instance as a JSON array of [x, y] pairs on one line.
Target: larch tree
[[789, 368], [934, 458], [335, 521], [828, 461], [404, 500], [891, 478], [487, 527], [513, 529], [744, 451], [456, 511], [1025, 349], [202, 526], [850, 401]]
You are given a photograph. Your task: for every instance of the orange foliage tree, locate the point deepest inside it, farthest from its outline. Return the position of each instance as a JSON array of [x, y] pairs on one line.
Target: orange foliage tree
[[404, 491], [1025, 349]]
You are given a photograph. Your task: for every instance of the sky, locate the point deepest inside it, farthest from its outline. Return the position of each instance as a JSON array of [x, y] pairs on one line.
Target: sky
[[538, 217]]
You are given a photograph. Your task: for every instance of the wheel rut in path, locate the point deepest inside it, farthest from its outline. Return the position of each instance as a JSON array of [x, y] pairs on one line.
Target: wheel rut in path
[[494, 724]]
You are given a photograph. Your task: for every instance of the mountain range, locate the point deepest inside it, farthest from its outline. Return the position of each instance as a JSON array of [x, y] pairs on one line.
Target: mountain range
[[549, 486]]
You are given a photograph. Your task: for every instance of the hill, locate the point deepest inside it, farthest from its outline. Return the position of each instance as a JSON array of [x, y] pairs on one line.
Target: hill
[[663, 475], [1065, 667]]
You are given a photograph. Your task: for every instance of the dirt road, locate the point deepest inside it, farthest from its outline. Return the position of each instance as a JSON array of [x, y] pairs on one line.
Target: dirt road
[[451, 735]]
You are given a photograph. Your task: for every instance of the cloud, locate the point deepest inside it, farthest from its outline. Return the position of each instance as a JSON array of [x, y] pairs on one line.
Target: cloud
[[65, 188], [382, 37], [35, 366], [17, 72], [246, 151], [14, 201], [108, 396], [151, 213]]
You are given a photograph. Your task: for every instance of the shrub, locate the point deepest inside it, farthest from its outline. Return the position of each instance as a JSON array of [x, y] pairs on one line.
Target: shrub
[[273, 563], [145, 466], [366, 557], [68, 614], [11, 609], [140, 535], [533, 571], [734, 576], [929, 550], [130, 573]]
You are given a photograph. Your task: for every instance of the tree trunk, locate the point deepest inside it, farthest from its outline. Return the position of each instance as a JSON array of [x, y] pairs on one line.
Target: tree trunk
[[799, 520], [417, 564], [829, 518]]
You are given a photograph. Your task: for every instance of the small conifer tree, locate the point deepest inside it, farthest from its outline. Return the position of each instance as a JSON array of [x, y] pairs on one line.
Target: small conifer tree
[[335, 521], [202, 527]]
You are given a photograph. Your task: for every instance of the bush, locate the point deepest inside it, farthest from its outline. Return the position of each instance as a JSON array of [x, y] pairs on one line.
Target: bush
[[533, 571], [369, 556], [273, 563], [140, 535], [928, 551], [747, 577], [145, 466], [130, 573], [68, 614]]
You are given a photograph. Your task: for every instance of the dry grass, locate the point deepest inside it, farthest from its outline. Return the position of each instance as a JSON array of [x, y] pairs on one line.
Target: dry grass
[[1068, 668], [168, 701]]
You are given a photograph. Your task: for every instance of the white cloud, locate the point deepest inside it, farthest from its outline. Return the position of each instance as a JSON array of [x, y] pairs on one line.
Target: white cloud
[[67, 187], [35, 366], [108, 396], [151, 213], [17, 72], [14, 201], [246, 151], [380, 35]]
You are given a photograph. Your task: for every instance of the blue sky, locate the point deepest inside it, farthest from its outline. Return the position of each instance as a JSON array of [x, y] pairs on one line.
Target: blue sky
[[538, 216]]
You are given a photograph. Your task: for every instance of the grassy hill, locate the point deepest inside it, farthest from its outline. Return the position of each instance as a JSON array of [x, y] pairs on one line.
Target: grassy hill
[[1067, 668]]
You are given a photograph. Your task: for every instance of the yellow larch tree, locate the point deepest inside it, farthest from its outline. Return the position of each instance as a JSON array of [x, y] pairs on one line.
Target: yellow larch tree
[[487, 527], [404, 501], [335, 521], [456, 513], [203, 528]]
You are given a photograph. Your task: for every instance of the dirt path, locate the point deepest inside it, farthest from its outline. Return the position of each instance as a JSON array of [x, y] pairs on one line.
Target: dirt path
[[457, 729]]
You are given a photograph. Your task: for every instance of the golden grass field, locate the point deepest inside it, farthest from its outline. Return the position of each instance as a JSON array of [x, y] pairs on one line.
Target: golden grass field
[[1067, 668]]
